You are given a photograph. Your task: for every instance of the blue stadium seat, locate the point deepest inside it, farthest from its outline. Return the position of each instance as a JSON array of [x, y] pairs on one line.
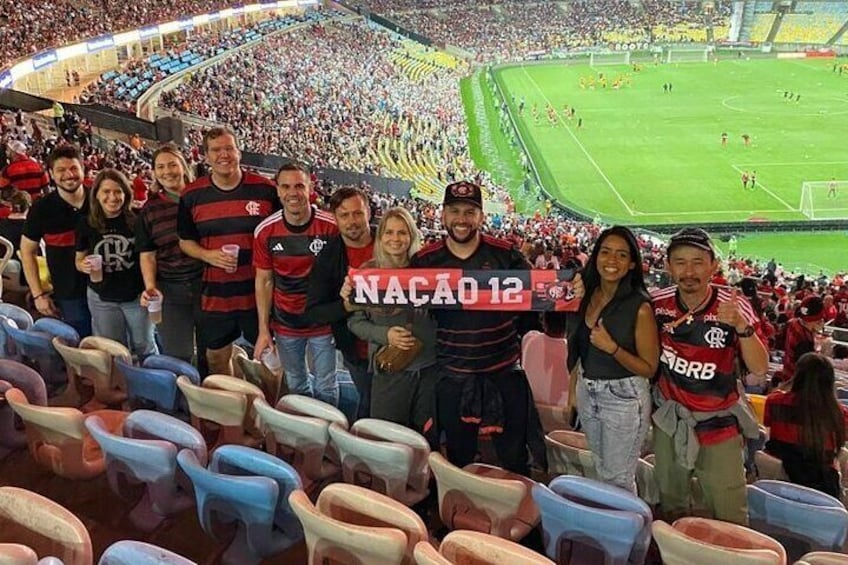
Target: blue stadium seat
[[156, 388], [37, 345], [129, 552], [23, 321], [27, 380]]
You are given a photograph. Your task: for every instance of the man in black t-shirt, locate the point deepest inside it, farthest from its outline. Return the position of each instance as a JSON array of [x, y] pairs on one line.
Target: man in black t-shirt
[[53, 219], [482, 390]]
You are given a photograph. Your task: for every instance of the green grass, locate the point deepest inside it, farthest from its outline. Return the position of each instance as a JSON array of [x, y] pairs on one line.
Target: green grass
[[805, 252], [645, 157]]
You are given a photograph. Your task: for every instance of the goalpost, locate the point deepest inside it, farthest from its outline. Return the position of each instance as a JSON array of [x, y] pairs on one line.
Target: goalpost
[[688, 55], [824, 200], [609, 58]]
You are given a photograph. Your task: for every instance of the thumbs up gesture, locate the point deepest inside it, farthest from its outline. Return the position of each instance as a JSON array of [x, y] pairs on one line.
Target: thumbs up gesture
[[602, 339], [730, 313]]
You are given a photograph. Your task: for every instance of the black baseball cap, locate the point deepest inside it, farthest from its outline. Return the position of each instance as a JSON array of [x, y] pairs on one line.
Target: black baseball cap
[[464, 191], [693, 237]]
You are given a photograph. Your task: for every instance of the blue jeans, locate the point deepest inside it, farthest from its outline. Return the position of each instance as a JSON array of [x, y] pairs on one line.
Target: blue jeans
[[123, 320], [615, 415], [292, 351], [75, 313]]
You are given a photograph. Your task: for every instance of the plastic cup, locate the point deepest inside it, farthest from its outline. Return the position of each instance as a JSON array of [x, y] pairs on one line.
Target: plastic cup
[[96, 264], [271, 360], [232, 250], [154, 308]]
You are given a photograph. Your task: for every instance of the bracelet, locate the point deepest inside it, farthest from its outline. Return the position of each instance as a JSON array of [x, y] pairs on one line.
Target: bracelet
[[617, 347], [43, 294]]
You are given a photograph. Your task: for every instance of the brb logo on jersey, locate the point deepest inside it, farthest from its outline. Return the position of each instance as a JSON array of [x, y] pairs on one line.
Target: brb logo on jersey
[[253, 208], [695, 370], [715, 338], [316, 245]]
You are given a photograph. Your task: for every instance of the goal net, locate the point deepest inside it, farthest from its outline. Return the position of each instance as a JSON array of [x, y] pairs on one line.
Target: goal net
[[825, 200], [690, 55], [611, 58]]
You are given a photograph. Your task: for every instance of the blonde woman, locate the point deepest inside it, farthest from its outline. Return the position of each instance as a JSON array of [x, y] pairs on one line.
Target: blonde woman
[[406, 397]]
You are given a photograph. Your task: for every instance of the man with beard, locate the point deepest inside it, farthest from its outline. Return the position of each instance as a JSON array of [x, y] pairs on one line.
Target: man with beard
[[54, 218], [350, 249], [481, 390], [704, 332]]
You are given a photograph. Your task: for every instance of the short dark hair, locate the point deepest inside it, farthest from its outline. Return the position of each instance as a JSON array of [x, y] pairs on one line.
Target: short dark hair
[[343, 194], [293, 166], [215, 133], [66, 151]]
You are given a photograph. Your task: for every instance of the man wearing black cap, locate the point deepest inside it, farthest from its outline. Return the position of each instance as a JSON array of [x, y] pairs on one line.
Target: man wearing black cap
[[704, 330], [481, 390]]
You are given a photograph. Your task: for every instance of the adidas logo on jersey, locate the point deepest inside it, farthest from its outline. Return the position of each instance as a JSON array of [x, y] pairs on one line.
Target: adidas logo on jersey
[[278, 248]]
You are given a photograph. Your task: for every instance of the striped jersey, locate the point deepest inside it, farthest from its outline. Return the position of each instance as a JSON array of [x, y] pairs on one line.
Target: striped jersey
[[156, 231], [478, 341], [214, 218], [290, 251], [698, 358]]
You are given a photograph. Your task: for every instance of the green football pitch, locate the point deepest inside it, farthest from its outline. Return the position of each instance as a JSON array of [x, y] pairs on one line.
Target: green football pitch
[[644, 156]]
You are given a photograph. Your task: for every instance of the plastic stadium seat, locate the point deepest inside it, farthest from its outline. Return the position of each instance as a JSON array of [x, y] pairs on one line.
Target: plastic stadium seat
[[362, 507], [92, 373], [758, 403], [129, 552], [544, 360], [479, 549], [36, 344], [769, 467], [332, 540], [19, 376], [47, 528], [484, 498], [801, 518], [251, 488], [145, 451], [301, 440], [593, 522], [173, 364], [221, 409], [385, 457], [823, 558], [701, 541], [23, 321], [568, 454], [58, 439]]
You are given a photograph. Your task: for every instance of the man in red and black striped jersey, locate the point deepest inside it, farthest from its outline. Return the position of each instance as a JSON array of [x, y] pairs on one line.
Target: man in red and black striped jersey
[[225, 208], [481, 389], [704, 331], [54, 219], [284, 250], [23, 172]]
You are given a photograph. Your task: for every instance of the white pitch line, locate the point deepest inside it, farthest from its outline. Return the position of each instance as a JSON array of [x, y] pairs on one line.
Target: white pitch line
[[795, 164], [765, 188], [580, 145], [710, 212]]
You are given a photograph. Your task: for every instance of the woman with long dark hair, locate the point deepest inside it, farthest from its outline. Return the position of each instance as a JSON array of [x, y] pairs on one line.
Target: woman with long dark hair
[[106, 242], [617, 343], [807, 425], [169, 274]]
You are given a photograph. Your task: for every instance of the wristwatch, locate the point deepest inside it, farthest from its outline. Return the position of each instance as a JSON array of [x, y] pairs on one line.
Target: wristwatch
[[747, 332]]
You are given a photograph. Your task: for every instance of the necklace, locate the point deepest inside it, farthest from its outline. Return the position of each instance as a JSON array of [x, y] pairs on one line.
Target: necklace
[[688, 317]]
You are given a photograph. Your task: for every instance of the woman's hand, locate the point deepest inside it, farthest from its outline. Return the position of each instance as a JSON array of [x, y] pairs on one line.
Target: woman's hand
[[602, 339], [400, 337]]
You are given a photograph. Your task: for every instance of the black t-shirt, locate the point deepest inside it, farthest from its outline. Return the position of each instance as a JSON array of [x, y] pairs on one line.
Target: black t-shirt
[[121, 272], [55, 221]]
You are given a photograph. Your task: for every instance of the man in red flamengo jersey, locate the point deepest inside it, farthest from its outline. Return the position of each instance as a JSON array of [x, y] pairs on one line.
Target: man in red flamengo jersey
[[225, 208], [703, 331], [285, 247]]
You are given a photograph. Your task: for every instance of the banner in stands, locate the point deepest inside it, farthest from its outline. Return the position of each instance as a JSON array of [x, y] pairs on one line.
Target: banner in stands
[[458, 289]]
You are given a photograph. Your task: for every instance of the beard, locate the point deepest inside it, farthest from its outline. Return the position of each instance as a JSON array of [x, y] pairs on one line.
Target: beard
[[472, 233]]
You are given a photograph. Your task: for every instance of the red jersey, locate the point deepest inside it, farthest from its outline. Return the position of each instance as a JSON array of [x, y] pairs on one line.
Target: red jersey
[[698, 358], [841, 303], [290, 251], [783, 421], [798, 340]]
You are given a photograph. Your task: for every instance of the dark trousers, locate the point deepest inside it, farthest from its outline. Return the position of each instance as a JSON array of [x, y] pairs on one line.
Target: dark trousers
[[180, 327], [75, 313], [361, 377], [461, 437]]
